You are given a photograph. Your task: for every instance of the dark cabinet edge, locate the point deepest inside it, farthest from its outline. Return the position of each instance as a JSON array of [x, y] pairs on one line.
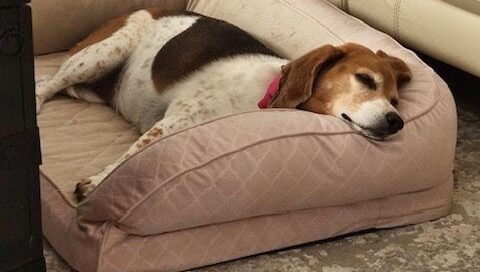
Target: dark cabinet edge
[[13, 3], [35, 266], [32, 149], [27, 63], [27, 143]]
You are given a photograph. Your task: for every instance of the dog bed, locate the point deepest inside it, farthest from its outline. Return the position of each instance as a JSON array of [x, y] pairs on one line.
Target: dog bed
[[249, 182]]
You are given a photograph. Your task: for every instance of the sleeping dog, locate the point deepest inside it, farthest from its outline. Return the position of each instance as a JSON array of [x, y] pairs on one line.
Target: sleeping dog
[[164, 72]]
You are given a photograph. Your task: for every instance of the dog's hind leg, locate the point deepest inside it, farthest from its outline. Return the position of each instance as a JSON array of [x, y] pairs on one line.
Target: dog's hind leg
[[101, 53]]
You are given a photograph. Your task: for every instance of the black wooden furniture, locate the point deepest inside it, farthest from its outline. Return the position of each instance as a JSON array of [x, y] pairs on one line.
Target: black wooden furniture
[[20, 221]]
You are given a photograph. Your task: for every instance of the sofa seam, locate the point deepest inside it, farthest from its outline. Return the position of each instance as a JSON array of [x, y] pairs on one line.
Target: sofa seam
[[397, 11]]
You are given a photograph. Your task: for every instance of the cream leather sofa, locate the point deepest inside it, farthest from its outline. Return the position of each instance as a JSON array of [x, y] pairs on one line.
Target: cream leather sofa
[[448, 30]]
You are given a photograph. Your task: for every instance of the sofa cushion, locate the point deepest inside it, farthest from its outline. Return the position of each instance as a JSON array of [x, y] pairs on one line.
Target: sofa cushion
[[448, 30], [275, 161]]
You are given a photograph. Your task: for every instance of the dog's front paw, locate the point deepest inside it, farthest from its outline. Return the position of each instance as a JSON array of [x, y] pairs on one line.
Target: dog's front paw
[[83, 189]]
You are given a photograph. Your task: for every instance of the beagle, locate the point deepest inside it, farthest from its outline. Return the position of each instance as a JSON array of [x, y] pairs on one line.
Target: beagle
[[166, 71]]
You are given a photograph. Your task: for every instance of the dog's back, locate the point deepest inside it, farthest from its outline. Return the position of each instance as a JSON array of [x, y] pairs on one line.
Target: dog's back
[[176, 47]]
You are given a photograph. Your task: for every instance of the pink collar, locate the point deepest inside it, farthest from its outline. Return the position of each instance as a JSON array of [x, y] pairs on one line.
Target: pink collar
[[271, 93]]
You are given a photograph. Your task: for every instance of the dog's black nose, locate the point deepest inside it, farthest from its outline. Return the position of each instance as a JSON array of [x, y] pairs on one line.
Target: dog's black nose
[[395, 122]]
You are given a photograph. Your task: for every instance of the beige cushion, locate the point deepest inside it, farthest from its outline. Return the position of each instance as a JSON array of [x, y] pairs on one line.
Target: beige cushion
[[250, 182], [447, 30], [60, 24]]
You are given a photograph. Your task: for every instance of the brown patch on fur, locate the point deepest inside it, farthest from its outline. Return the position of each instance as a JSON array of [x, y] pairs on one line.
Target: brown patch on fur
[[144, 142], [205, 41], [155, 132]]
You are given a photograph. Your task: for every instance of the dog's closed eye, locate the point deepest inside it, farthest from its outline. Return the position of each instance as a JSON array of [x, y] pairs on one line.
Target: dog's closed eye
[[366, 80]]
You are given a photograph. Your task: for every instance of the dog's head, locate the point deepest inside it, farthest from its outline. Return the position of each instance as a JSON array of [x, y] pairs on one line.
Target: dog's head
[[350, 82]]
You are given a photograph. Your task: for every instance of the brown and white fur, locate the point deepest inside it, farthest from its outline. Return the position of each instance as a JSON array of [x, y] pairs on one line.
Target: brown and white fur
[[164, 72]]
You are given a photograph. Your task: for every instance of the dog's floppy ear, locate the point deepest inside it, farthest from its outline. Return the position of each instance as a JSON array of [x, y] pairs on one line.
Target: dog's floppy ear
[[299, 76], [402, 73]]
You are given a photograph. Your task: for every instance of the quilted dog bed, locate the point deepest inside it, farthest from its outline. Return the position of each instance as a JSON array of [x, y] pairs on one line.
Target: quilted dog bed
[[250, 182]]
